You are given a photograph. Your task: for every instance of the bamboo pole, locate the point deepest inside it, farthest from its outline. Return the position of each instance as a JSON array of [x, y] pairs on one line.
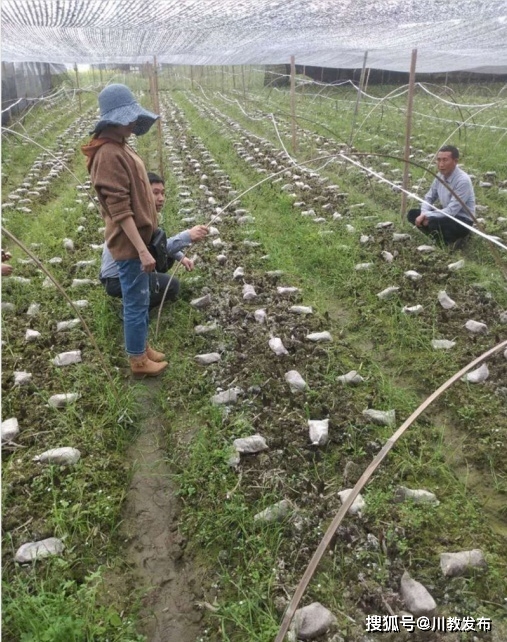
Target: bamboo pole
[[150, 83], [159, 121], [365, 88], [78, 88], [293, 100], [408, 131], [361, 83], [192, 76], [100, 74], [358, 98], [234, 77], [363, 480]]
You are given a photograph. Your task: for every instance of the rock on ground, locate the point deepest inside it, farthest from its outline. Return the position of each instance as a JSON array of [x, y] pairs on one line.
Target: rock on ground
[[10, 429], [249, 445], [319, 431], [201, 302], [61, 456], [317, 337], [455, 564], [225, 397], [357, 505], [274, 513], [351, 378], [61, 400], [276, 345], [312, 621], [32, 551], [416, 597], [68, 358], [382, 417], [206, 359], [477, 376], [419, 496], [295, 381], [442, 344]]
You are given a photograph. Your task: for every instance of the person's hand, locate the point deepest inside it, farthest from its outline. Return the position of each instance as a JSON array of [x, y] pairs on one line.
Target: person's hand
[[6, 256], [421, 220], [148, 263], [198, 232], [6, 269], [188, 264]]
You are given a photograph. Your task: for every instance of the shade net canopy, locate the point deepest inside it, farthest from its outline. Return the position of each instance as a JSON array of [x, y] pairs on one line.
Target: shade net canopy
[[449, 35]]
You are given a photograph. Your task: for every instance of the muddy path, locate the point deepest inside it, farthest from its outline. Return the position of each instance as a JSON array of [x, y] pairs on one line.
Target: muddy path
[[155, 549]]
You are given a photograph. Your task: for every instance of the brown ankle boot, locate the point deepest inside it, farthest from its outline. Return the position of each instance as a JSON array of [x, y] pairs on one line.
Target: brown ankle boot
[[153, 355], [141, 366]]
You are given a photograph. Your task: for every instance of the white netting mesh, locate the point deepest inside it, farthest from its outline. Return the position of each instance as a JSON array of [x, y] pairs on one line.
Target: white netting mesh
[[452, 35]]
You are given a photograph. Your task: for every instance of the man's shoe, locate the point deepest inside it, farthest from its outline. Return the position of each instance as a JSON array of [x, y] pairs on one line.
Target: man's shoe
[[459, 244], [153, 355], [141, 366], [119, 313]]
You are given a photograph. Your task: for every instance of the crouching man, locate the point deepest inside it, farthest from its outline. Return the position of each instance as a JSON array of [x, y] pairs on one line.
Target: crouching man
[[109, 276], [435, 223]]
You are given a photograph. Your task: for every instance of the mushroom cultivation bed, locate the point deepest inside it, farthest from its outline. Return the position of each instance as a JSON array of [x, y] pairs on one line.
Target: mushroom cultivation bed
[[295, 405], [255, 320]]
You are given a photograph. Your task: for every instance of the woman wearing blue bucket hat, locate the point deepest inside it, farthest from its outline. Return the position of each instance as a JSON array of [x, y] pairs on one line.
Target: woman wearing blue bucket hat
[[128, 207]]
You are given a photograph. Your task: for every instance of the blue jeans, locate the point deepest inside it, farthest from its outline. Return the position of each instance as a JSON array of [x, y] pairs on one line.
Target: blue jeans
[[158, 284], [135, 287]]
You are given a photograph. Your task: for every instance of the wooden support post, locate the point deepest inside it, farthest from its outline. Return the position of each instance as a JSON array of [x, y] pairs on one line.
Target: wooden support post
[[192, 76], [150, 83], [365, 88], [243, 81], [159, 121], [100, 74], [408, 131], [293, 100], [361, 83], [222, 79], [358, 98], [78, 88], [234, 77]]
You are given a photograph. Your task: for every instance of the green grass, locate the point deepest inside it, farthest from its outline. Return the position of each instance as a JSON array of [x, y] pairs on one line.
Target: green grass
[[401, 368], [52, 610], [63, 598], [251, 570]]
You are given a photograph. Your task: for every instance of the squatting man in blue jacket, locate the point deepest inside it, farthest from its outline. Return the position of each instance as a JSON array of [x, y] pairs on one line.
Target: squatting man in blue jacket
[[109, 276], [435, 223]]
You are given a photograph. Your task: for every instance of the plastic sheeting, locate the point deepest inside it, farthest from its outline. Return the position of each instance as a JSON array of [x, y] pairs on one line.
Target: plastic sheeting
[[449, 35]]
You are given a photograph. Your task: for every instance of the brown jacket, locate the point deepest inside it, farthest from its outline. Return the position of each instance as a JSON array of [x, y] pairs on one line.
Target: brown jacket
[[120, 179]]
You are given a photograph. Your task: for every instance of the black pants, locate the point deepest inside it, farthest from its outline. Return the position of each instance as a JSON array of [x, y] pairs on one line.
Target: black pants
[[441, 228], [158, 284]]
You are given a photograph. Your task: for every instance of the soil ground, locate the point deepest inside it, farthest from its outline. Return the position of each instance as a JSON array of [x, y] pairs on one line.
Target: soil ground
[[155, 549]]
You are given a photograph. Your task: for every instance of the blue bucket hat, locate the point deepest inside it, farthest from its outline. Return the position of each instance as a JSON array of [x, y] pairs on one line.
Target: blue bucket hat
[[119, 107]]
